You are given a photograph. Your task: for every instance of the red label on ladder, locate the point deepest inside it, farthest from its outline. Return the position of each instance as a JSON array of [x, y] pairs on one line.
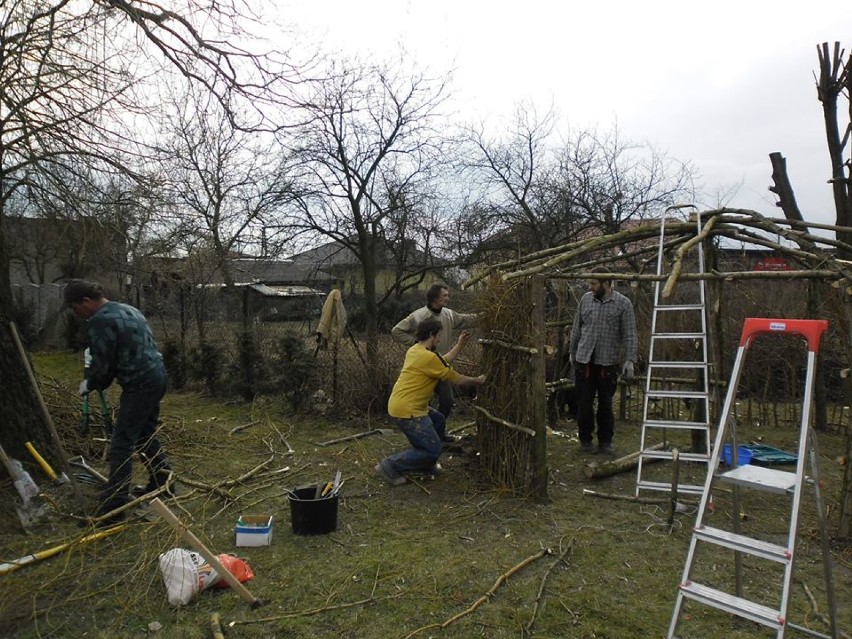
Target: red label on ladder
[[811, 330]]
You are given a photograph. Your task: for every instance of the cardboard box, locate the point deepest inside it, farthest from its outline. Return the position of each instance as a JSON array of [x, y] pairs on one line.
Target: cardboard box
[[254, 530]]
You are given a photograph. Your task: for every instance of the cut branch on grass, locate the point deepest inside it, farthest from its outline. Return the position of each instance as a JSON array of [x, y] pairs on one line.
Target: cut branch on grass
[[595, 470], [540, 595], [237, 429], [476, 604], [327, 608], [633, 498], [210, 488], [823, 618]]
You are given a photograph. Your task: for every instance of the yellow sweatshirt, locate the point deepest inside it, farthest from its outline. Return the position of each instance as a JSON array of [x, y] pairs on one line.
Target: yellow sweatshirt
[[412, 391]]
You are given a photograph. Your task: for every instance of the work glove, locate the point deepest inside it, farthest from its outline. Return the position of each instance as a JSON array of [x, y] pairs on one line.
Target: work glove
[[627, 370], [84, 388]]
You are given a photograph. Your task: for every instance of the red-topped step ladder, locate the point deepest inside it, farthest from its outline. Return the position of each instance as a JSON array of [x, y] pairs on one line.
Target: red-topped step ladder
[[772, 614]]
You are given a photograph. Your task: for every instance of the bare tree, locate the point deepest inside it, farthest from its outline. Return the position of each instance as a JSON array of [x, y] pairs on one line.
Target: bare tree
[[69, 74], [223, 183], [540, 194], [368, 150]]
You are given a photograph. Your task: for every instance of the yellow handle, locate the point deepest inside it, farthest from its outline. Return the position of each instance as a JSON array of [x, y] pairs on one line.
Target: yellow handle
[[41, 461], [327, 488]]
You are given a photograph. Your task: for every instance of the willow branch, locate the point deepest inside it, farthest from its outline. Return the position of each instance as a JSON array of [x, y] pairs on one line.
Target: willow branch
[[476, 604], [503, 422]]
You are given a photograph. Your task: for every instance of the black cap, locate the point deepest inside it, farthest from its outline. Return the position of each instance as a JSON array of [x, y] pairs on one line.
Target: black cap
[[76, 290]]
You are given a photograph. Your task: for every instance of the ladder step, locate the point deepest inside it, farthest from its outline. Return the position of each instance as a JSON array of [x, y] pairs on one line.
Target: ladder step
[[749, 545], [682, 456], [676, 394], [736, 605], [768, 479], [678, 336], [659, 423], [679, 307], [676, 364], [682, 489]]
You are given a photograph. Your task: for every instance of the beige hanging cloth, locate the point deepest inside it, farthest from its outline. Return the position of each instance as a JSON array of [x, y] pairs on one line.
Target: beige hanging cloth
[[332, 321]]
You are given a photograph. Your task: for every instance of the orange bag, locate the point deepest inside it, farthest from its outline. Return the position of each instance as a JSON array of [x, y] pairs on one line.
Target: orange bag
[[237, 567]]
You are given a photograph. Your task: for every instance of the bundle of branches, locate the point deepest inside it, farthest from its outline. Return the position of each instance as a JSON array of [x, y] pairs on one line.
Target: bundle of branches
[[504, 436]]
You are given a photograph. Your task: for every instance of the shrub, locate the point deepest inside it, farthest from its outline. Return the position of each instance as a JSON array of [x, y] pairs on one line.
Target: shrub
[[174, 357], [249, 366], [295, 374], [206, 364]]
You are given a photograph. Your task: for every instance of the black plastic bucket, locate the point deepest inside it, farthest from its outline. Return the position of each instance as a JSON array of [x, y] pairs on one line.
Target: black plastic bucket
[[311, 516]]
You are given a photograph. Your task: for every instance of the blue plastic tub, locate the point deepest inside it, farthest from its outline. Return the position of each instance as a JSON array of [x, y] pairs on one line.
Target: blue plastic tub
[[743, 455]]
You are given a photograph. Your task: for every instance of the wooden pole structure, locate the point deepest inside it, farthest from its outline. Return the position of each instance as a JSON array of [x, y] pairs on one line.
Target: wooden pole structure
[[537, 391]]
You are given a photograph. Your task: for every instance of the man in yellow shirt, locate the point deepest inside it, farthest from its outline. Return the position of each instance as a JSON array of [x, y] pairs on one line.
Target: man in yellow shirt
[[409, 402]]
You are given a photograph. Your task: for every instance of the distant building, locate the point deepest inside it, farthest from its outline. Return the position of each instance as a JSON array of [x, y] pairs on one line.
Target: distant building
[[397, 262]]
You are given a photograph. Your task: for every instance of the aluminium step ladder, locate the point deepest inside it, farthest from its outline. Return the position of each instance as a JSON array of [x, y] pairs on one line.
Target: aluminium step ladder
[[767, 480], [677, 394]]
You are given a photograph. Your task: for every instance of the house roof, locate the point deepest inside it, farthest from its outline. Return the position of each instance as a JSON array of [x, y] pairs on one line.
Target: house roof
[[275, 271]]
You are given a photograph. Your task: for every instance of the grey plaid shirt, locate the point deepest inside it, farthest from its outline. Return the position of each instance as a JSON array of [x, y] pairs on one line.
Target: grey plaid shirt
[[601, 328]]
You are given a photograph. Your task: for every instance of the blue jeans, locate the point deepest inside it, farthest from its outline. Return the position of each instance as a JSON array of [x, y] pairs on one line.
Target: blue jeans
[[424, 434], [135, 431]]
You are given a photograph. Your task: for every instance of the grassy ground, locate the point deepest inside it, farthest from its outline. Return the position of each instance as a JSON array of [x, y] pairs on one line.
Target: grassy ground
[[403, 561]]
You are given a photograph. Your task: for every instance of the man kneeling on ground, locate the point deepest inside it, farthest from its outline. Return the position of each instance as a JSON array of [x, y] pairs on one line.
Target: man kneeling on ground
[[409, 402]]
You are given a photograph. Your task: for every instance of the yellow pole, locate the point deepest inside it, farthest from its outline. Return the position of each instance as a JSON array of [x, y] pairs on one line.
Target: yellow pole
[[41, 461]]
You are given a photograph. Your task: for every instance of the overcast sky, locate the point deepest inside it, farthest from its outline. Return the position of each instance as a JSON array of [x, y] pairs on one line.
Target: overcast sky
[[720, 84]]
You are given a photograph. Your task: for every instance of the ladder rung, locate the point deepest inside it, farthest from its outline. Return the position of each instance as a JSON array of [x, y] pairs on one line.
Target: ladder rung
[[756, 547], [768, 479], [659, 423], [676, 364], [667, 454], [677, 336], [682, 489], [679, 307], [759, 613], [676, 394]]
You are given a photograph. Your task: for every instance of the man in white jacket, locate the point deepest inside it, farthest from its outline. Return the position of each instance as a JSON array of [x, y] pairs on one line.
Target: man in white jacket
[[437, 298]]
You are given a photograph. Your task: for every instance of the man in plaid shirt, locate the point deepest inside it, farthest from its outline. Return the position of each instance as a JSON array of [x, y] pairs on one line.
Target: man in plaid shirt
[[603, 344]]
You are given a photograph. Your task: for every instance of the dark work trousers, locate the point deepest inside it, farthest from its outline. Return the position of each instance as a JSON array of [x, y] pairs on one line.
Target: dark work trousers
[[444, 391], [135, 431], [593, 380]]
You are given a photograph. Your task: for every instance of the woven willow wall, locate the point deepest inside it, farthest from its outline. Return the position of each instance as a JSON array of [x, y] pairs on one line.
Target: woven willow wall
[[511, 405]]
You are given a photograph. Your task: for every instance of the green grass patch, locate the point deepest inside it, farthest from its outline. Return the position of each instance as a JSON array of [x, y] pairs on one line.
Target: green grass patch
[[401, 559]]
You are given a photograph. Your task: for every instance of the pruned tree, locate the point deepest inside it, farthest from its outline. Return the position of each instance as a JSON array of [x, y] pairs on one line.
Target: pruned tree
[[835, 81], [367, 151]]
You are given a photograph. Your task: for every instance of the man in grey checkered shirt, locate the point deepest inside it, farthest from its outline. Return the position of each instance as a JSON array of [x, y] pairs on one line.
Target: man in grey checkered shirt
[[603, 344]]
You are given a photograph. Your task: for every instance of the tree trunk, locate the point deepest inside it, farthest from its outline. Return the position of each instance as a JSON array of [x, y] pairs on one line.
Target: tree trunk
[[22, 416], [834, 78], [787, 201], [844, 527], [371, 309]]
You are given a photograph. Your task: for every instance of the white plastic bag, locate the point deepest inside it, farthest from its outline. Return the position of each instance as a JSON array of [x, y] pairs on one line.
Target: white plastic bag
[[185, 574]]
